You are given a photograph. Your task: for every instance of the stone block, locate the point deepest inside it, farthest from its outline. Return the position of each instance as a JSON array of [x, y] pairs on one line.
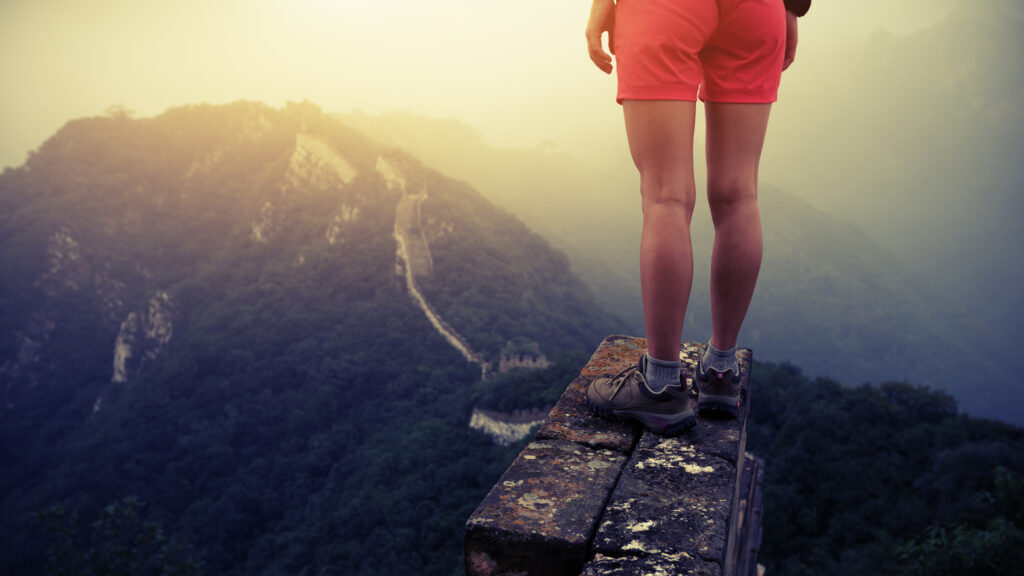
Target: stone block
[[570, 419], [666, 506], [725, 436], [745, 532], [539, 517], [662, 565], [672, 499]]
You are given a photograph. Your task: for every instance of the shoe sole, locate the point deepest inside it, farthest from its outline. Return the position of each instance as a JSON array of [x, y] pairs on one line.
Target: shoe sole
[[716, 404], [720, 404], [663, 427]]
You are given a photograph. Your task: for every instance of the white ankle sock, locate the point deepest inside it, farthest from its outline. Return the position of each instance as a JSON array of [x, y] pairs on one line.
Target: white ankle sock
[[720, 360], [661, 373]]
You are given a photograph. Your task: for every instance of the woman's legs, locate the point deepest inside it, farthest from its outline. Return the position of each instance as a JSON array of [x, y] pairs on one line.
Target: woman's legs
[[735, 137], [660, 134]]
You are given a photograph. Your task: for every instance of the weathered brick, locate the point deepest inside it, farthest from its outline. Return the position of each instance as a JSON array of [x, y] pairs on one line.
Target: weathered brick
[[662, 565], [541, 514], [671, 499], [670, 512], [571, 420]]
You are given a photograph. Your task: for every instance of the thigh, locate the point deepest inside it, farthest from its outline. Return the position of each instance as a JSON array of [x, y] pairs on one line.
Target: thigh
[[735, 138], [660, 135]]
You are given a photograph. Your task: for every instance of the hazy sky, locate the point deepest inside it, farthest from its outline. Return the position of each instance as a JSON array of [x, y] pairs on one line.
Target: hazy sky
[[517, 70]]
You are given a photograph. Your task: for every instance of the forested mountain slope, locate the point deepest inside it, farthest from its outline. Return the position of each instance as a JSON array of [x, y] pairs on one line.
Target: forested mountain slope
[[883, 479], [211, 310]]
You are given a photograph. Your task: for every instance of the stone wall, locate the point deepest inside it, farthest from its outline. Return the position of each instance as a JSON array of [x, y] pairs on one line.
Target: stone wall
[[591, 497]]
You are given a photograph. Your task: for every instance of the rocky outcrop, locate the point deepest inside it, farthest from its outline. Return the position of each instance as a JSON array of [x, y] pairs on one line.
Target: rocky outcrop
[[68, 275], [142, 337], [67, 269], [315, 165], [261, 227], [346, 215], [30, 345]]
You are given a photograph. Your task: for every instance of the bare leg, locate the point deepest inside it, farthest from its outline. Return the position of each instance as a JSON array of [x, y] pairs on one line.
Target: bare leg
[[735, 137], [660, 135]]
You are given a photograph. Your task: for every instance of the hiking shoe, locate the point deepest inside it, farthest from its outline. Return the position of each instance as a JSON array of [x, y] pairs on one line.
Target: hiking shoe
[[717, 391], [626, 396]]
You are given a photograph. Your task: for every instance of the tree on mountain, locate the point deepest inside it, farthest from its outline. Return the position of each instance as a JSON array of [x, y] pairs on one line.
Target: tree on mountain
[[117, 543], [994, 549], [119, 112]]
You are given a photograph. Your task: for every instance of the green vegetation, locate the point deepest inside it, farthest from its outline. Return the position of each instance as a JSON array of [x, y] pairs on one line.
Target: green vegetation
[[118, 543], [884, 479]]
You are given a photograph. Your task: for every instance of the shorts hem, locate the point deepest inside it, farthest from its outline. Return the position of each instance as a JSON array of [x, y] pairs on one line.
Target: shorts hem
[[672, 92], [739, 97]]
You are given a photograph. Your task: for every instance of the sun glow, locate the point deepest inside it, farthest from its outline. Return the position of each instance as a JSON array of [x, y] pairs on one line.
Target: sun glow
[[517, 70]]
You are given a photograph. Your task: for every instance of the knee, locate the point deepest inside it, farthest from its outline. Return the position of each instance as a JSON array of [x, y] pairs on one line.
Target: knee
[[726, 197], [667, 193]]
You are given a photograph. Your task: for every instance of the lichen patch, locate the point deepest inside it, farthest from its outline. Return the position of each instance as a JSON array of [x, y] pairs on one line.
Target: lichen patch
[[643, 526]]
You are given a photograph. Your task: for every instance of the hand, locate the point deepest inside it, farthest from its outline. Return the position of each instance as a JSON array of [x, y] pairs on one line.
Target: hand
[[602, 19], [791, 38]]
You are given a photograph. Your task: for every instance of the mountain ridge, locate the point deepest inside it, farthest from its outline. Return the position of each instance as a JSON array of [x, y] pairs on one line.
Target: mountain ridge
[[209, 310]]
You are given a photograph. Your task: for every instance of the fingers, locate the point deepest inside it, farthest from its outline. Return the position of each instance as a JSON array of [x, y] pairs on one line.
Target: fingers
[[602, 19], [598, 56]]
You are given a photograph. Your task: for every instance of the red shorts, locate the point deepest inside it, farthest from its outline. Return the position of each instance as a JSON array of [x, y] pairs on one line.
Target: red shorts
[[731, 49]]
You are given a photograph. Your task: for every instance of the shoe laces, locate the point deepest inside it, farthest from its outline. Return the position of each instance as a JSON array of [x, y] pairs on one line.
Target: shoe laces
[[621, 378]]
